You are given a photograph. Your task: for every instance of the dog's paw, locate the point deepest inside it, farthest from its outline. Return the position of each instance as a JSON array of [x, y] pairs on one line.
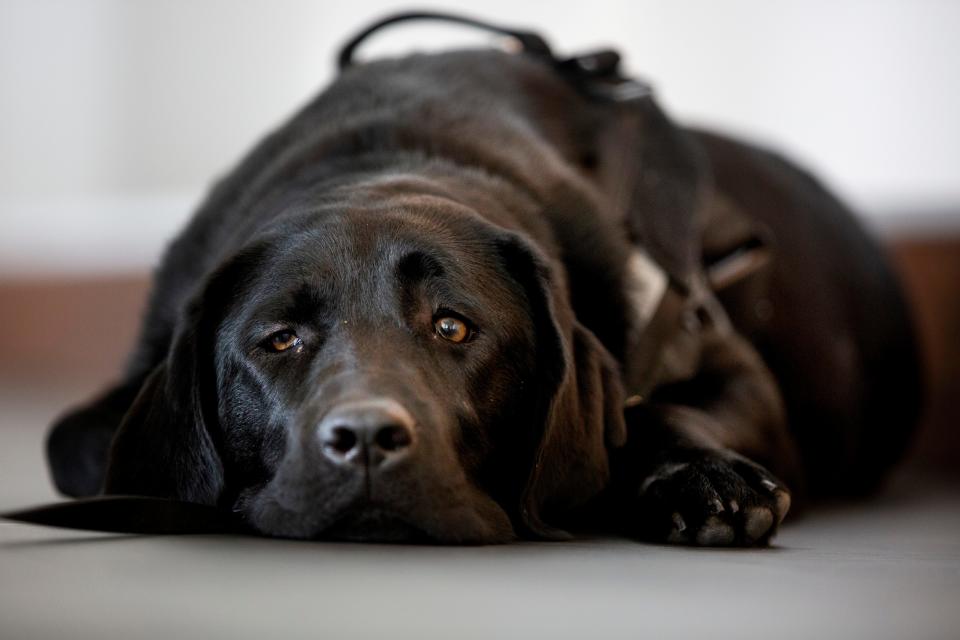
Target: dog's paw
[[717, 498]]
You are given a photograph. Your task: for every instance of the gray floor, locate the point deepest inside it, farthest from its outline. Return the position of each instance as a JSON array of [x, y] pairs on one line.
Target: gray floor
[[886, 569]]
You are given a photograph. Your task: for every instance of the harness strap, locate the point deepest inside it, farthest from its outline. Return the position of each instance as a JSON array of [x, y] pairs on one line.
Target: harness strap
[[595, 73], [529, 42], [649, 346]]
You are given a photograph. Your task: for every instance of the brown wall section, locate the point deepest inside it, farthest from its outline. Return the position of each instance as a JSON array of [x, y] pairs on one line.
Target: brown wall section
[[59, 331], [930, 270]]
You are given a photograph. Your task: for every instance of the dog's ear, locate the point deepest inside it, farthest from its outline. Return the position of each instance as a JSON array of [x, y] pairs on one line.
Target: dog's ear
[[166, 444], [164, 447], [576, 408]]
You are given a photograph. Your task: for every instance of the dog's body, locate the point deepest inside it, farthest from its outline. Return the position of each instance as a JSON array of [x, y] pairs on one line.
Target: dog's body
[[565, 239]]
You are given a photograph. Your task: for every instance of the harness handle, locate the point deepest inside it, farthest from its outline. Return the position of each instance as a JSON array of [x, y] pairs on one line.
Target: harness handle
[[529, 41]]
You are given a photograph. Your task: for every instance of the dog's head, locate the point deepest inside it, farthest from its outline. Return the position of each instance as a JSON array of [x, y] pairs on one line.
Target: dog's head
[[393, 369]]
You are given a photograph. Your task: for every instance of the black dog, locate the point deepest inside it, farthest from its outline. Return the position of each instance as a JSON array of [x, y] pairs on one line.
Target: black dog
[[479, 295]]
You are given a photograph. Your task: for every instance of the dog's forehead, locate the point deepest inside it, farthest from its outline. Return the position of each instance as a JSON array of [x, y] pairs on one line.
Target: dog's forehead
[[350, 242], [362, 253]]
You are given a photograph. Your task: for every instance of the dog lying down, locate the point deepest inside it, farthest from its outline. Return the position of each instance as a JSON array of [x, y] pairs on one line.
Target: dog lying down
[[477, 296]]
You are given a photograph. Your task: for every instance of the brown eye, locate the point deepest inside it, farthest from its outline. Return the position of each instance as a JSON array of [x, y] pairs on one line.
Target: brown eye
[[452, 329], [284, 340]]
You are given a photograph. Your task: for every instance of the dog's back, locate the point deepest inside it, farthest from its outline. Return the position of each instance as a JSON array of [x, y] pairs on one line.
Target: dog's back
[[828, 316]]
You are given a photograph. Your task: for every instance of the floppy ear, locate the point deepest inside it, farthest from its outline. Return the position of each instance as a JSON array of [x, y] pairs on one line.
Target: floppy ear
[[167, 443], [577, 408], [132, 439], [164, 446]]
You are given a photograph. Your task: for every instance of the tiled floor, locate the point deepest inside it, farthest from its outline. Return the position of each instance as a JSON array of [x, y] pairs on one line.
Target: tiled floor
[[886, 569]]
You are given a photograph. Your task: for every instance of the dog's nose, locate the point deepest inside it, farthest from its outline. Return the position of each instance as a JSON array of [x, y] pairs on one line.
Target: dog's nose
[[367, 432]]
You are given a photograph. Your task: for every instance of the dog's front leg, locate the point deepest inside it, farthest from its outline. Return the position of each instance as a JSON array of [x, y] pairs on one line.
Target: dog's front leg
[[691, 470]]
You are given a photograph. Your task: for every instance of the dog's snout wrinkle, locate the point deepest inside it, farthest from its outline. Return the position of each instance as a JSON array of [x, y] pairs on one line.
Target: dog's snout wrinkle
[[367, 433]]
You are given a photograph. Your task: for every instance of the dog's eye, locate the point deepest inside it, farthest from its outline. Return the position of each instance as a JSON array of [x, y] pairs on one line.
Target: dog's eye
[[283, 341], [452, 329]]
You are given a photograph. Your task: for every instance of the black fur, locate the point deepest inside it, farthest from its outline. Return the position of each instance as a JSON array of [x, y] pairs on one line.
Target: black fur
[[485, 186]]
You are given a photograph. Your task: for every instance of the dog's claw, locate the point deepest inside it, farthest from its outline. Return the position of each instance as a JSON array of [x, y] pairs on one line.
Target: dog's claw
[[715, 533], [757, 523], [783, 504], [676, 534]]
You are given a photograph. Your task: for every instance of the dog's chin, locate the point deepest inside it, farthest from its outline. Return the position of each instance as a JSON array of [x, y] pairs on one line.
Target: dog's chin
[[375, 524], [361, 521]]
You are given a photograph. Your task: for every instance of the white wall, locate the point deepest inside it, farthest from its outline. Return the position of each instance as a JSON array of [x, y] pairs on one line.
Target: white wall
[[115, 115]]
